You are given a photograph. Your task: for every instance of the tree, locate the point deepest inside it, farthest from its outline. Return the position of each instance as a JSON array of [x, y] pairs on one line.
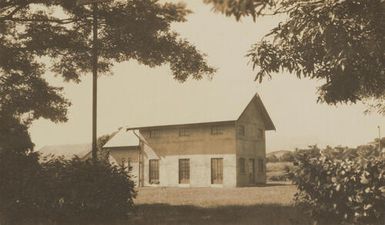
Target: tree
[[341, 43], [60, 30]]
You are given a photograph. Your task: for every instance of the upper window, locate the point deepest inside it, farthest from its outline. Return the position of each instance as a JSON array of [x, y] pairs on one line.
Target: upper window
[[241, 130], [242, 166], [216, 130], [183, 132], [154, 133], [260, 134]]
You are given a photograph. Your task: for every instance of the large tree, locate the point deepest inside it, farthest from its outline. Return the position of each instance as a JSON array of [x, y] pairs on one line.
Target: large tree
[[341, 42], [32, 31]]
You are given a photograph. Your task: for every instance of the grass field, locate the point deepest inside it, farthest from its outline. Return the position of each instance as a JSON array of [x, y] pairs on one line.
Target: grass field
[[270, 204], [277, 169]]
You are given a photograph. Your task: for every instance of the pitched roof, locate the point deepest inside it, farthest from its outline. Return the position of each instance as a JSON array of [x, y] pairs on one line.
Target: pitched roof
[[123, 138], [206, 111], [67, 151]]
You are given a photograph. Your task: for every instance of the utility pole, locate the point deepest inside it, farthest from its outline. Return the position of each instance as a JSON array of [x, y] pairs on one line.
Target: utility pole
[[94, 5], [94, 78], [379, 138]]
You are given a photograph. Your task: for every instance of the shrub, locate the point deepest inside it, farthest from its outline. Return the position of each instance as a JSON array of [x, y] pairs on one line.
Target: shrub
[[341, 190], [18, 172], [62, 191], [86, 191]]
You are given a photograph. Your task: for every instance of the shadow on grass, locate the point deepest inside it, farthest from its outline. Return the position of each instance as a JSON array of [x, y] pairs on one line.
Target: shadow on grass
[[262, 214], [275, 184]]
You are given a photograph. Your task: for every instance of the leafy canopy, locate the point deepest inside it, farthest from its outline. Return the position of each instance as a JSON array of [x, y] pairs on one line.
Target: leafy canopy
[[61, 31], [340, 42]]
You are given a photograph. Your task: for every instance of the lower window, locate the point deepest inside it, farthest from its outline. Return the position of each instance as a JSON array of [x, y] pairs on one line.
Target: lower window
[[154, 171], [261, 165], [217, 171], [184, 171]]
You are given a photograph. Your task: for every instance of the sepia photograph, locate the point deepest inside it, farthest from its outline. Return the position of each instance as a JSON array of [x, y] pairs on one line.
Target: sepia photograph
[[192, 112]]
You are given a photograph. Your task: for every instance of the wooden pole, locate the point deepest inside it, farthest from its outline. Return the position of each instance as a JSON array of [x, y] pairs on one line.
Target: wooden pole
[[94, 79], [379, 139]]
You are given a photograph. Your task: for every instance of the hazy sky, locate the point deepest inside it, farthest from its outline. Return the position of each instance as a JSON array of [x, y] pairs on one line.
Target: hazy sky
[[134, 89]]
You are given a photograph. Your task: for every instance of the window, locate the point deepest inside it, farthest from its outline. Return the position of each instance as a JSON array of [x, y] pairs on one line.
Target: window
[[154, 133], [126, 164], [242, 166], [154, 171], [260, 134], [216, 130], [261, 165], [251, 171], [184, 171], [241, 130], [184, 132], [217, 171]]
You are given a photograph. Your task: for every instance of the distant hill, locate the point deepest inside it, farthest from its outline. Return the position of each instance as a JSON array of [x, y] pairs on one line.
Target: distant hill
[[278, 154]]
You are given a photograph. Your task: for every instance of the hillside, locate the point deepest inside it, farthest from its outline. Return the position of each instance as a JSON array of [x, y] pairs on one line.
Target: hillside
[[278, 154]]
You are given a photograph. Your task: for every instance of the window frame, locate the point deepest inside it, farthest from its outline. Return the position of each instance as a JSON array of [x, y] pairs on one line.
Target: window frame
[[261, 165], [260, 134], [216, 130], [153, 171], [242, 165], [184, 171], [154, 133], [216, 170], [241, 130], [126, 164], [184, 132]]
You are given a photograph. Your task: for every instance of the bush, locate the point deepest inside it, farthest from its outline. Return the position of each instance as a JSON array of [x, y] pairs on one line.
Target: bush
[[87, 190], [350, 191], [18, 172], [63, 191]]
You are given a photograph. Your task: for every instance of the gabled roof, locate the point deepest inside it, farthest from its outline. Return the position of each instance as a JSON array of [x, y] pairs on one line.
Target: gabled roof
[[67, 151], [123, 138], [205, 111]]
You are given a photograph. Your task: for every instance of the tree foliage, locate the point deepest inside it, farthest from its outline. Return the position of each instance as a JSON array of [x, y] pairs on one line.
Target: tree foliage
[[339, 42], [59, 31]]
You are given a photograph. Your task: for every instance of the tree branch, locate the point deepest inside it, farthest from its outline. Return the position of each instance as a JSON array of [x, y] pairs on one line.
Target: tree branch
[[59, 21], [13, 12]]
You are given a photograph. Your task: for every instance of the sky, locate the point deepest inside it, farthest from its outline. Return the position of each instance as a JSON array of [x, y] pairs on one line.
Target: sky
[[133, 92]]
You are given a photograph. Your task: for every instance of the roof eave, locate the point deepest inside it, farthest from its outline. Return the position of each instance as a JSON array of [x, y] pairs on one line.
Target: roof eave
[[180, 125]]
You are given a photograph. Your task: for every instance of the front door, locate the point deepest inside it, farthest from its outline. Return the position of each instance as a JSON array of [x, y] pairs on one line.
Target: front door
[[251, 171]]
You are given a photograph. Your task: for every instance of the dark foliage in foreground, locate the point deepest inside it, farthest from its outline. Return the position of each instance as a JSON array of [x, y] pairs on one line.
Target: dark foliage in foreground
[[350, 190], [340, 43], [61, 191]]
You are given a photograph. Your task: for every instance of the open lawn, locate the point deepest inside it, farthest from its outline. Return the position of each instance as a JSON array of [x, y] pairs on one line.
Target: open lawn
[[270, 204]]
